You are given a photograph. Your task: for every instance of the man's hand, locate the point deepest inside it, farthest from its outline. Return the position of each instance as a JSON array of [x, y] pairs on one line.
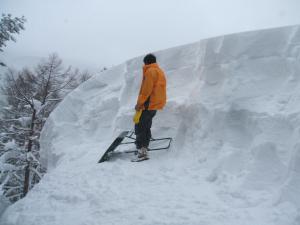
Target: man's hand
[[138, 107]]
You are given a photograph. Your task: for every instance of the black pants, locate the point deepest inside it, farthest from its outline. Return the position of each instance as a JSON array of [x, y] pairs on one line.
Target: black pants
[[143, 129]]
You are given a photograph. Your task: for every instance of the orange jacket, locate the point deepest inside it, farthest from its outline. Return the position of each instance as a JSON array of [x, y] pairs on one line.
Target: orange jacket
[[153, 86]]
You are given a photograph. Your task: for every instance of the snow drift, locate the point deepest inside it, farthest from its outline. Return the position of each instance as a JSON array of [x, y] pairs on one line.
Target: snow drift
[[234, 113]]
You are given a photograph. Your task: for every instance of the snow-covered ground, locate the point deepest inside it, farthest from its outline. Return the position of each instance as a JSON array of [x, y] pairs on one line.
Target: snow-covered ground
[[234, 113]]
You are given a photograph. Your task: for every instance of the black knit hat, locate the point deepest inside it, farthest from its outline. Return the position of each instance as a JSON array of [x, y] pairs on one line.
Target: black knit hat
[[149, 59]]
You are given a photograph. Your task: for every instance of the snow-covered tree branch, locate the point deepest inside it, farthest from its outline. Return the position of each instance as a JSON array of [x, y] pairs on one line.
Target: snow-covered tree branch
[[31, 96], [8, 27]]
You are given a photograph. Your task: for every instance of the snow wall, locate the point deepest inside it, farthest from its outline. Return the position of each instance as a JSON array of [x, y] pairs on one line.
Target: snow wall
[[233, 105], [233, 101]]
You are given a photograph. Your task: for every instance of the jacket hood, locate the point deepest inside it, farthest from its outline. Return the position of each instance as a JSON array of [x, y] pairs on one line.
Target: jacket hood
[[152, 65]]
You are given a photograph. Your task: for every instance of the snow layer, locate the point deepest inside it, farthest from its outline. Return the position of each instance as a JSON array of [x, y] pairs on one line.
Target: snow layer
[[233, 111]]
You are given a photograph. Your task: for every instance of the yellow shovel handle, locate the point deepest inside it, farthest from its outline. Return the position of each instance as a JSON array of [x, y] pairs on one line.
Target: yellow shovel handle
[[137, 116]]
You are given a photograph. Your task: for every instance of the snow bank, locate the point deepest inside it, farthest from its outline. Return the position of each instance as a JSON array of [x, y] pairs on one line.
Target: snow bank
[[233, 110]]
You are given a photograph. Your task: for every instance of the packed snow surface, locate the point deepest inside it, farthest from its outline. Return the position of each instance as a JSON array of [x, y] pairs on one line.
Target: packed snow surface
[[234, 112]]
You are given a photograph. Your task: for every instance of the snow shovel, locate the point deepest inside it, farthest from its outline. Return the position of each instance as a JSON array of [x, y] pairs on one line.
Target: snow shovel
[[130, 135]]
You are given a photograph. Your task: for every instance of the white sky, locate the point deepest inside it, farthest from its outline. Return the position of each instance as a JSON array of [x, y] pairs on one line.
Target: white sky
[[97, 33]]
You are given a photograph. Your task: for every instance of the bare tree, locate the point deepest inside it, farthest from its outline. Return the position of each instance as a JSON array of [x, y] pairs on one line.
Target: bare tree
[[84, 76], [19, 152], [21, 90], [31, 96], [50, 75]]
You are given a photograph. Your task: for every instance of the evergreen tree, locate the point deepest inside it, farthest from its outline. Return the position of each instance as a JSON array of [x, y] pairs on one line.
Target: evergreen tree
[[8, 27]]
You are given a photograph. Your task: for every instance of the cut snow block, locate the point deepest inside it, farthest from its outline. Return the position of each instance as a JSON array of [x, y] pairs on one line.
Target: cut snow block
[[266, 170], [4, 203], [291, 190]]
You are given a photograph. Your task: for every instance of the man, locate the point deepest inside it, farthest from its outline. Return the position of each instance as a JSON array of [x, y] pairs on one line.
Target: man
[[152, 97]]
